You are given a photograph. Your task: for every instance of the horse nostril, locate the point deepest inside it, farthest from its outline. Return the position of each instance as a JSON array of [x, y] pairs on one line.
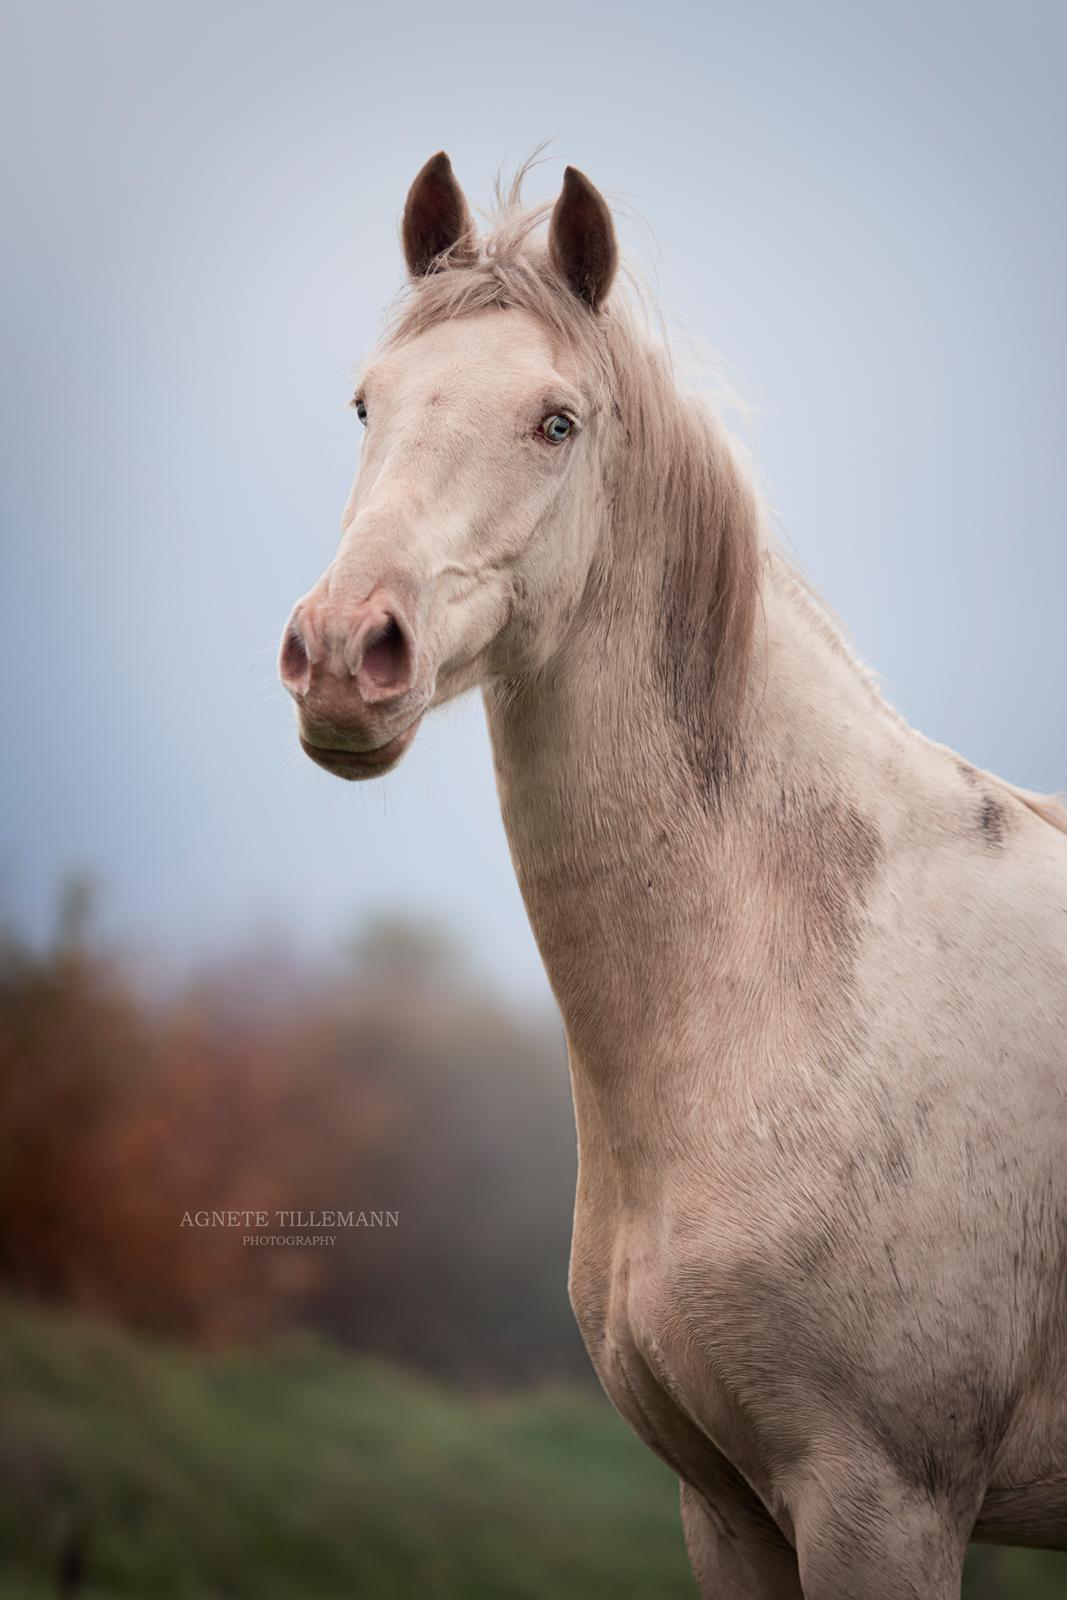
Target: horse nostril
[[294, 664], [387, 656]]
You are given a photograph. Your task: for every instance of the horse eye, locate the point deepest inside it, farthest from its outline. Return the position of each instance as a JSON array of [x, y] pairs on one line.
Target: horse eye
[[556, 427], [361, 410]]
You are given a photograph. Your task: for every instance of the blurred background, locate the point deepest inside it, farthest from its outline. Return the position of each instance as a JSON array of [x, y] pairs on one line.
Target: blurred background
[[228, 980]]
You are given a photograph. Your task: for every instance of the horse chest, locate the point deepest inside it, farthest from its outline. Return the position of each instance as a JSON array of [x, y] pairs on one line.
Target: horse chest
[[614, 1292], [626, 1289]]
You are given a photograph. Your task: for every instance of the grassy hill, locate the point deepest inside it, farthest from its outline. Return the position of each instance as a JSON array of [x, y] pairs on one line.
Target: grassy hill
[[306, 1472]]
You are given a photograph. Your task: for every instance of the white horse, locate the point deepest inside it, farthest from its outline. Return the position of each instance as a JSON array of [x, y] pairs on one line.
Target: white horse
[[813, 967]]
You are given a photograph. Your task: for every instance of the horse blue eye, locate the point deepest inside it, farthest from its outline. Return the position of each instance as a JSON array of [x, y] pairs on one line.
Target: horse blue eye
[[361, 411], [556, 428]]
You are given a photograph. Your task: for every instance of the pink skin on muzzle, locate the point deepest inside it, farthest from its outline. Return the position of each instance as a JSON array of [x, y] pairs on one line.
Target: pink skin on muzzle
[[353, 672]]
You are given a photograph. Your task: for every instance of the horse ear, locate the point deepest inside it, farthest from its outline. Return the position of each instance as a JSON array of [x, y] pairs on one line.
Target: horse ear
[[581, 239], [436, 217]]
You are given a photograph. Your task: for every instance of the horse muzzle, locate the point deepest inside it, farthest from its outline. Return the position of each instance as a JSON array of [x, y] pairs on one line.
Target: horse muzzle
[[356, 678]]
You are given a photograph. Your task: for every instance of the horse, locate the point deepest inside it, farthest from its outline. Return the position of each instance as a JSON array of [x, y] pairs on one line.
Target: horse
[[812, 966]]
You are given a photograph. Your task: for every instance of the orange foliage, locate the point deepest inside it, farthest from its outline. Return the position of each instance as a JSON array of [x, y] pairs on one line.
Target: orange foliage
[[394, 1087]]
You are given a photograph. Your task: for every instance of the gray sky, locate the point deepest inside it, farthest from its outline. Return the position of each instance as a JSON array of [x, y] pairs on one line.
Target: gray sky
[[859, 206]]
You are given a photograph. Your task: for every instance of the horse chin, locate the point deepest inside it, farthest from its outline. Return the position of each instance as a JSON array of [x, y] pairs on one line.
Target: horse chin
[[355, 765]]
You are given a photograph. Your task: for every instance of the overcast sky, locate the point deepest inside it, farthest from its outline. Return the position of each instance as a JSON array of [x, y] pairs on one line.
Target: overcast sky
[[859, 206]]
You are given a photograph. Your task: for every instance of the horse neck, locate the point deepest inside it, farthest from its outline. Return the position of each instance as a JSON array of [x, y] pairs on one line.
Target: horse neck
[[668, 870]]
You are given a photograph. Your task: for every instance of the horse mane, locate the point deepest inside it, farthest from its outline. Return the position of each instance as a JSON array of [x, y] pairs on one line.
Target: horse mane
[[678, 477]]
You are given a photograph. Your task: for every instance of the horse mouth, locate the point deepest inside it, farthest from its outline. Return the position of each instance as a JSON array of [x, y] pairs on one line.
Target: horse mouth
[[356, 764]]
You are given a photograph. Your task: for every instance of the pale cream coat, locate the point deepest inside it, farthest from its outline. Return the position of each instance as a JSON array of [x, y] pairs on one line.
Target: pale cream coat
[[813, 967]]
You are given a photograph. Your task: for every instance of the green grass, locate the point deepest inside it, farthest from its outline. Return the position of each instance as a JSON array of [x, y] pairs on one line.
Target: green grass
[[304, 1472]]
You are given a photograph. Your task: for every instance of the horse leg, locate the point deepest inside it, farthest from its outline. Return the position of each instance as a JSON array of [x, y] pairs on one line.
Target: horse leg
[[736, 1551], [863, 1533]]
